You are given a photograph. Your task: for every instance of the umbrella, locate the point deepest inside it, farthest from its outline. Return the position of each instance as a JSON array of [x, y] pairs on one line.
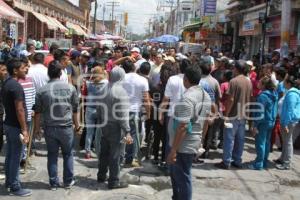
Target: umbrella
[[167, 39]]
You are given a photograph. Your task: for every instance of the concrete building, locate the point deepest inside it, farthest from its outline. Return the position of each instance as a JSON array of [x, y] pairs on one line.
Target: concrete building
[[52, 19]]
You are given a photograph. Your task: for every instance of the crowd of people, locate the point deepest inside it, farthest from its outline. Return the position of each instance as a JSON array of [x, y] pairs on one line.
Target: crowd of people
[[181, 106]]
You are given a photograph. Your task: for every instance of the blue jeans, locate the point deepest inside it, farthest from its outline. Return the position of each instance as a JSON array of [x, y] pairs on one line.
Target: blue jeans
[[262, 144], [13, 157], [132, 149], [60, 137], [91, 122], [233, 144], [181, 176]]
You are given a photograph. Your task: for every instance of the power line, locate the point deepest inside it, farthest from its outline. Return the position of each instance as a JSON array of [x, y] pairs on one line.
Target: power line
[[112, 4]]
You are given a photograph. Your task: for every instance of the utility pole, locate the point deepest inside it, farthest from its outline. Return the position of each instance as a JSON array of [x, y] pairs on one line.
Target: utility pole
[[264, 26], [103, 18], [113, 4], [95, 17], [286, 14]]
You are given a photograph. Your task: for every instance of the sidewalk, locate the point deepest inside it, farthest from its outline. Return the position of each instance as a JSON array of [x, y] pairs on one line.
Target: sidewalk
[[149, 182]]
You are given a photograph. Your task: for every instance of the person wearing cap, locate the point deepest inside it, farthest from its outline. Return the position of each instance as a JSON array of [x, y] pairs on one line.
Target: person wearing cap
[[83, 63], [221, 65], [135, 53], [73, 68]]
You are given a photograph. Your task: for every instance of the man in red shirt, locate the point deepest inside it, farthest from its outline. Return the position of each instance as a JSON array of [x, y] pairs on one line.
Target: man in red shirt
[[49, 58]]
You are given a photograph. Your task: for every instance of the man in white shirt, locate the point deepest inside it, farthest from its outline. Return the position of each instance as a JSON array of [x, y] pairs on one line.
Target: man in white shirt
[[173, 93], [155, 70], [38, 72], [137, 89]]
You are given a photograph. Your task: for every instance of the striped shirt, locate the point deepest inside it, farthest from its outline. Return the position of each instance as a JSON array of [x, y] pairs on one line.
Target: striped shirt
[[29, 91]]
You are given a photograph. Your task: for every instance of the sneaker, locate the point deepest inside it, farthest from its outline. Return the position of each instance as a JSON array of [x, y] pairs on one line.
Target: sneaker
[[54, 187], [22, 163], [220, 146], [252, 167], [135, 163], [233, 164], [101, 180], [278, 161], [222, 165], [21, 193], [283, 166], [2, 176], [205, 155], [155, 162], [68, 186], [118, 185]]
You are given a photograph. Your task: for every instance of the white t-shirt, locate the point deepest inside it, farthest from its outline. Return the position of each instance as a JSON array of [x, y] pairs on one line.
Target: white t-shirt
[[39, 75], [155, 74], [174, 91], [135, 85], [64, 76]]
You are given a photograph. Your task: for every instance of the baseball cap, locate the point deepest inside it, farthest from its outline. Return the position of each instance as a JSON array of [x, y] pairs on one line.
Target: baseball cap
[[75, 54], [85, 54], [135, 49], [250, 63]]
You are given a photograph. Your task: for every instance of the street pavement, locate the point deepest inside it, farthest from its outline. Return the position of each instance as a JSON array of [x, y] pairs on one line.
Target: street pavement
[[150, 183]]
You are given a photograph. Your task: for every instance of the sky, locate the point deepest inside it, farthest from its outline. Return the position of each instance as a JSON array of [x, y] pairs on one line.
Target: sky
[[139, 12]]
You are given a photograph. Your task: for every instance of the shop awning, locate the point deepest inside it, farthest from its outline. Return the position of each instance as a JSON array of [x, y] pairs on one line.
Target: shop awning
[[77, 29], [192, 26], [52, 23], [58, 24], [44, 19], [7, 12]]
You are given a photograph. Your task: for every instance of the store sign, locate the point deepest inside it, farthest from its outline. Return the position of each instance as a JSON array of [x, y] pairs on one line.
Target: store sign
[[248, 26], [186, 6], [273, 28], [12, 30], [210, 7]]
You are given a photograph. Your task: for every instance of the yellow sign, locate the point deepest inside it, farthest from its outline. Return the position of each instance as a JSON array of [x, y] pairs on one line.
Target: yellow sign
[[126, 18]]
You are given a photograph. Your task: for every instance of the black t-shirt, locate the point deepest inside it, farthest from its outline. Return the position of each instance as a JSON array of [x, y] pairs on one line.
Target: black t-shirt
[[12, 91]]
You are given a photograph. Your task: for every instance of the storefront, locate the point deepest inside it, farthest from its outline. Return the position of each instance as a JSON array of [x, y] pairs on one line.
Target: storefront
[[9, 20], [273, 33], [250, 29]]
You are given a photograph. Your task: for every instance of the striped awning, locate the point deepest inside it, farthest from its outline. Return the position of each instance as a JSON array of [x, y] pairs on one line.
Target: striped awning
[[7, 12], [45, 19], [52, 23], [76, 28]]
